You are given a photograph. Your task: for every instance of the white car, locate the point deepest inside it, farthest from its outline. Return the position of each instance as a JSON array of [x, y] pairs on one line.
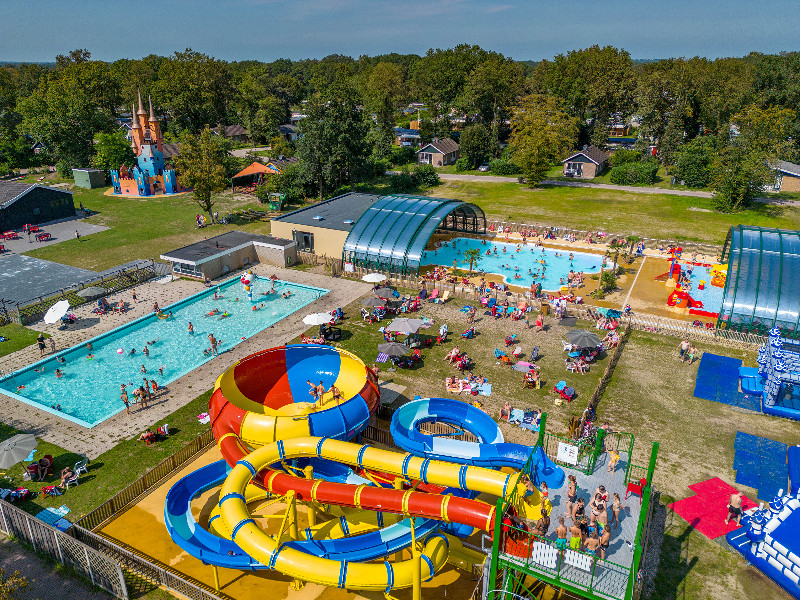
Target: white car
[[484, 168]]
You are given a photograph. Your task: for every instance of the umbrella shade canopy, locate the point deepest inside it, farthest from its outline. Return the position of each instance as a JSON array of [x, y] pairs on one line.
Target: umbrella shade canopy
[[384, 292], [373, 302], [373, 277], [58, 310], [16, 448], [92, 292], [583, 338], [318, 319], [394, 349], [403, 325], [252, 169]]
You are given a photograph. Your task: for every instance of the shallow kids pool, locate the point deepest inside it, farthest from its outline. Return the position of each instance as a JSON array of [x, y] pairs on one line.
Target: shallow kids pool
[[533, 264]]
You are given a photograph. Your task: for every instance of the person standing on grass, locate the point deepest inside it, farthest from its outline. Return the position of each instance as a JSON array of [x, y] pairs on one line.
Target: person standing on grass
[[734, 507], [77, 235], [683, 348]]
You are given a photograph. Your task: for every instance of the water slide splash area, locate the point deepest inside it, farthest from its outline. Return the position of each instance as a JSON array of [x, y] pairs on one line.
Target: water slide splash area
[[769, 539], [280, 444]]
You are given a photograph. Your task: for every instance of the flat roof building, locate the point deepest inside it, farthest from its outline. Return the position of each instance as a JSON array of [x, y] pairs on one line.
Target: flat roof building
[[378, 232], [224, 253]]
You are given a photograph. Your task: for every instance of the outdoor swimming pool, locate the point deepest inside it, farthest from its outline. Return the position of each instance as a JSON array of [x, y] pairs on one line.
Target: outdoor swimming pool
[[557, 263], [89, 389], [711, 295]]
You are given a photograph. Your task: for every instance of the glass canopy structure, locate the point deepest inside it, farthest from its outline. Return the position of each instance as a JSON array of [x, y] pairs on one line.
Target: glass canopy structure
[[762, 289], [392, 234]]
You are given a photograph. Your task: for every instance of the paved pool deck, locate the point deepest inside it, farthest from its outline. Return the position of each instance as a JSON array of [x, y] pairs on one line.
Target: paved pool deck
[[93, 442]]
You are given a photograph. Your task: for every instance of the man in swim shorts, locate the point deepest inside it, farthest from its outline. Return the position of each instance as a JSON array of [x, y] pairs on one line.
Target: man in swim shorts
[[683, 348], [734, 507], [576, 541]]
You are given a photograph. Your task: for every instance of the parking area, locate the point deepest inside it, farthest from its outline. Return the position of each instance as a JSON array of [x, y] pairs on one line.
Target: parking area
[[59, 231]]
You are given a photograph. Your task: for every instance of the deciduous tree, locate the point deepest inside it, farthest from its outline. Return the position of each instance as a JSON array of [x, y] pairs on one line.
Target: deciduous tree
[[111, 151], [202, 167], [541, 133]]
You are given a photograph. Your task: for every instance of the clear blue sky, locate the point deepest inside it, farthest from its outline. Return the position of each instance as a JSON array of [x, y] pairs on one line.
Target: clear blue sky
[[37, 30]]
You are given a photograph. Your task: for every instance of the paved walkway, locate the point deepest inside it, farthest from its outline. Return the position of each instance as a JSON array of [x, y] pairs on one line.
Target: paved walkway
[[43, 582], [95, 441], [61, 230], [242, 152]]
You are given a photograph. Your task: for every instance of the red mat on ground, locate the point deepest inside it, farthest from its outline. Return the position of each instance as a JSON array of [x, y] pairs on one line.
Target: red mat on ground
[[707, 510]]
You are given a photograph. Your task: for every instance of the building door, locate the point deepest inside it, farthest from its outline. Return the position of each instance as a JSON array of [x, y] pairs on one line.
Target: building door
[[305, 241]]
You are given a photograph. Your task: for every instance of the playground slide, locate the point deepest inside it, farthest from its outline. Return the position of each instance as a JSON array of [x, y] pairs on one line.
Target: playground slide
[[489, 451], [681, 299], [768, 538], [242, 529]]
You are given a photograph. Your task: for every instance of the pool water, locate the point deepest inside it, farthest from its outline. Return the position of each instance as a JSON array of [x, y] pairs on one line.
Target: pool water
[[89, 389], [556, 268], [711, 296]]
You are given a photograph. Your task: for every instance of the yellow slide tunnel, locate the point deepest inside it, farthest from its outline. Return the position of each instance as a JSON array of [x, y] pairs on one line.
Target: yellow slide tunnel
[[239, 526]]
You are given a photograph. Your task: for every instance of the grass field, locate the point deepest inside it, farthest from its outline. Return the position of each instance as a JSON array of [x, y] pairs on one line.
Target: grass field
[[658, 216], [141, 228], [17, 338], [651, 395]]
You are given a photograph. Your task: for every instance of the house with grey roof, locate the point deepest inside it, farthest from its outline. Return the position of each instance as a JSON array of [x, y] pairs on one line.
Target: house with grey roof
[[586, 163], [438, 153], [24, 203], [787, 176]]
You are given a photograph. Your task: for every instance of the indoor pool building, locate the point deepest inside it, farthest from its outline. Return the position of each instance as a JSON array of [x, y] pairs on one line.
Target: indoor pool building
[[388, 233]]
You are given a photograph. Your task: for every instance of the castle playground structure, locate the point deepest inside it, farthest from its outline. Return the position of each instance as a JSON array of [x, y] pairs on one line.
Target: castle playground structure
[[149, 176]]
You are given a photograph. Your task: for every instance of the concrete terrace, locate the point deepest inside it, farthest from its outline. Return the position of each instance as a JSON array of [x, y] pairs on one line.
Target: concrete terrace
[[95, 441]]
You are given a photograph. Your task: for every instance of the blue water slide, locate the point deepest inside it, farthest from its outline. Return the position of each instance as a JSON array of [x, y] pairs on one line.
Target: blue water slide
[[489, 451], [210, 549]]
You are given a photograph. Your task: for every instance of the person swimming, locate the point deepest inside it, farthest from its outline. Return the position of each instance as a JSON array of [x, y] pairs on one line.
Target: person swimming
[[59, 373], [132, 352], [61, 359], [225, 315]]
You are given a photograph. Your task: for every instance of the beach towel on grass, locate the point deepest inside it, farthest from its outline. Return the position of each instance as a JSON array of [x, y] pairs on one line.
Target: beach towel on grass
[[516, 415], [3, 338], [382, 357], [51, 515], [62, 524], [529, 421], [485, 389]]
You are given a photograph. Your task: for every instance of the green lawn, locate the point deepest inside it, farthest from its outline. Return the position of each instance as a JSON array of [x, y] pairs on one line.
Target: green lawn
[[17, 338], [140, 228], [662, 216], [111, 471]]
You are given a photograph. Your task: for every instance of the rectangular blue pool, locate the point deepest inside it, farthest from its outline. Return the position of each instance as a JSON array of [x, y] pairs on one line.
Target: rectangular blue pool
[[88, 392]]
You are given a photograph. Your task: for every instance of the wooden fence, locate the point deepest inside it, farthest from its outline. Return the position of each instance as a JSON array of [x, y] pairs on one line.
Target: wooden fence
[[141, 486], [102, 570]]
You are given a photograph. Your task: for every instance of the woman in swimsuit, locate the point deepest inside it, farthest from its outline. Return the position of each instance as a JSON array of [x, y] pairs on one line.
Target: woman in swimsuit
[[616, 506], [579, 510], [605, 540]]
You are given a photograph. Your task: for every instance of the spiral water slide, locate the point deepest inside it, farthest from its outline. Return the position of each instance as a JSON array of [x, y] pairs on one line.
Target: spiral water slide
[[263, 402]]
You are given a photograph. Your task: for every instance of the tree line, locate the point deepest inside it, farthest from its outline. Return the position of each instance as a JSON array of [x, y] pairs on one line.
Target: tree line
[[714, 123]]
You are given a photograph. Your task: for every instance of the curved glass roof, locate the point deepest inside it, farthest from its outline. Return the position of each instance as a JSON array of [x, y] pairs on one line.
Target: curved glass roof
[[762, 289], [394, 231]]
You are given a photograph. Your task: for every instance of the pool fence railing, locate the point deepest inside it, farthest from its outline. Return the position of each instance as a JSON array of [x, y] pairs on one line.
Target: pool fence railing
[[95, 566], [33, 309]]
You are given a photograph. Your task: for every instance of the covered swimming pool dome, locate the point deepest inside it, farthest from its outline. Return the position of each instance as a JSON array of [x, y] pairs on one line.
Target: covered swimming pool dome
[[762, 289], [392, 233]]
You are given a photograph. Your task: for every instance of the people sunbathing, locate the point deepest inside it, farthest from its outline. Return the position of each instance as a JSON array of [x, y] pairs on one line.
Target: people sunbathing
[[452, 355]]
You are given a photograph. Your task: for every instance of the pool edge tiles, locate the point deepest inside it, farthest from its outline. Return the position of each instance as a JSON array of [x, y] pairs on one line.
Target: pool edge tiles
[[141, 322]]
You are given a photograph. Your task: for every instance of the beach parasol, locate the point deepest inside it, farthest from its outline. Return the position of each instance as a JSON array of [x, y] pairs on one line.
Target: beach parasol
[[583, 338], [373, 302], [373, 277], [394, 349], [318, 319], [58, 310], [16, 448], [403, 325], [92, 292], [384, 292]]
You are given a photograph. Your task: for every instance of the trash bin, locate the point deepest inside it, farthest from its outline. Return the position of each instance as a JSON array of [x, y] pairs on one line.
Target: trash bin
[[545, 308]]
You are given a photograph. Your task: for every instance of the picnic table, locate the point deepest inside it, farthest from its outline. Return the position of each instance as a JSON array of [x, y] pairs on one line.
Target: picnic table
[[43, 236], [9, 235]]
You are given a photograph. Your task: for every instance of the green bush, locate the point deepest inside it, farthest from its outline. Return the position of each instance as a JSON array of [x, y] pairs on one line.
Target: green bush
[[64, 169], [379, 167], [462, 164], [403, 182], [403, 155], [622, 156], [641, 173], [426, 176], [504, 167]]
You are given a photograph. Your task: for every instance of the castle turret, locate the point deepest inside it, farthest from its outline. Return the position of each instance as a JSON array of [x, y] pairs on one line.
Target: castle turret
[[141, 114], [137, 137], [155, 127]]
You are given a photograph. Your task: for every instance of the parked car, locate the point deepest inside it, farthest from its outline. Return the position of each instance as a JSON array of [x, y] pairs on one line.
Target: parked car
[[484, 168]]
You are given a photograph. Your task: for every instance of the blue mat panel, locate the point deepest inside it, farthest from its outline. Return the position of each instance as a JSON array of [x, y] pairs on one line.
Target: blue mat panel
[[748, 479], [773, 448], [747, 441], [749, 402], [746, 462]]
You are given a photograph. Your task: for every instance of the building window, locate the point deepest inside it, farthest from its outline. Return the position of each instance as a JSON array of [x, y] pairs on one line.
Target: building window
[[305, 241], [425, 158], [184, 269]]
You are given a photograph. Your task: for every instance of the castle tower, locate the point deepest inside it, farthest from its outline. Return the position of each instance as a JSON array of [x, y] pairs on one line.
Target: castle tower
[[155, 127], [141, 114], [137, 135]]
